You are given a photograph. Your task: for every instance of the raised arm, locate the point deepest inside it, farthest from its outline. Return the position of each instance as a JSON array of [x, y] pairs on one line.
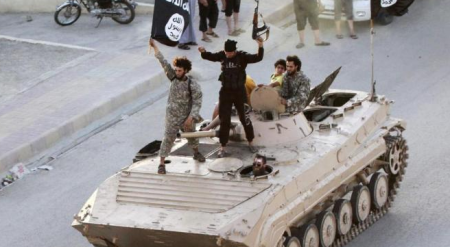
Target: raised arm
[[254, 58], [214, 57], [170, 73]]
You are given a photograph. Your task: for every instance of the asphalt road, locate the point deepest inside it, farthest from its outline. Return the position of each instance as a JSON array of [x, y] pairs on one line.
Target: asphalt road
[[411, 67]]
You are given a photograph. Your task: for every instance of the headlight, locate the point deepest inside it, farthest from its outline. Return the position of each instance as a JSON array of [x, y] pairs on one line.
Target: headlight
[[360, 13]]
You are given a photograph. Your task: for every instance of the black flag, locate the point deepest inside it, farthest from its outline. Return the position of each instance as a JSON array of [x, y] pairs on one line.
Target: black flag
[[392, 7], [170, 19]]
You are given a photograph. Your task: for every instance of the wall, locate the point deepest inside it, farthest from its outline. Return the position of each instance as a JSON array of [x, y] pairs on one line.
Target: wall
[[11, 6], [35, 6]]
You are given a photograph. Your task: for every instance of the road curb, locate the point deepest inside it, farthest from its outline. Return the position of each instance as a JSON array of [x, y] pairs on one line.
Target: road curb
[[69, 133], [39, 42]]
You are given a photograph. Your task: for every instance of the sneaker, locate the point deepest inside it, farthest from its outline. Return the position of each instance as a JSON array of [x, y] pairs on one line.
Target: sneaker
[[221, 153], [252, 149], [161, 169], [198, 156]]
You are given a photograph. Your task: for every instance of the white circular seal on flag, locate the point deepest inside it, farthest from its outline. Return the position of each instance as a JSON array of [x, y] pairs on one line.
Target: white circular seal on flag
[[174, 27], [387, 3]]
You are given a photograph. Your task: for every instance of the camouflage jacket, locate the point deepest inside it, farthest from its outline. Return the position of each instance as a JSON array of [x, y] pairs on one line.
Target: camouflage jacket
[[295, 89], [181, 102]]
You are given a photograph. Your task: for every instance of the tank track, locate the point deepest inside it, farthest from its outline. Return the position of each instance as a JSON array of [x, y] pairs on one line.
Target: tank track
[[375, 215]]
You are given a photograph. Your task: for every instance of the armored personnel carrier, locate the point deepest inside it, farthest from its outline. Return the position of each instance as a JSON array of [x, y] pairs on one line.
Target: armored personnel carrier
[[329, 173]]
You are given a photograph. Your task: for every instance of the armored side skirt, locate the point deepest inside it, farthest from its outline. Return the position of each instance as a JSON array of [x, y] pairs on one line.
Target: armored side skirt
[[116, 236]]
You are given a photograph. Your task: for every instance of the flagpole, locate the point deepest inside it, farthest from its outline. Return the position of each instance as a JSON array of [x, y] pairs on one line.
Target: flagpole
[[372, 33]]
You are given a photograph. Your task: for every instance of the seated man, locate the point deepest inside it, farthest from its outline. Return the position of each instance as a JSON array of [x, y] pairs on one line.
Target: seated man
[[249, 86], [296, 86], [276, 79]]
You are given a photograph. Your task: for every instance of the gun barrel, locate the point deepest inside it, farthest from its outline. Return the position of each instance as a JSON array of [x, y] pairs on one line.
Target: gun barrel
[[198, 134]]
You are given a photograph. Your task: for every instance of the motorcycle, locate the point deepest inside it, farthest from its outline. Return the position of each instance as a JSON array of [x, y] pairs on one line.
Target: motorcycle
[[121, 11]]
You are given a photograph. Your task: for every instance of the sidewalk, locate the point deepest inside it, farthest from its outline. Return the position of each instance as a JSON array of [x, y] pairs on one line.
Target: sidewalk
[[113, 76], [73, 98]]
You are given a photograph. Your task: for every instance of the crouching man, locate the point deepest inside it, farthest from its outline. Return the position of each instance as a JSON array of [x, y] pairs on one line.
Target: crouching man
[[183, 105]]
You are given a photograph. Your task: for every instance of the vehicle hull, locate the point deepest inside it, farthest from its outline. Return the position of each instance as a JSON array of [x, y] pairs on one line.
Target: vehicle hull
[[102, 235], [214, 203]]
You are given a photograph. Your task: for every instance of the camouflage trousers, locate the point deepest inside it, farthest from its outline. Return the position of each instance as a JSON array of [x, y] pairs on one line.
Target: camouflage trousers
[[172, 126]]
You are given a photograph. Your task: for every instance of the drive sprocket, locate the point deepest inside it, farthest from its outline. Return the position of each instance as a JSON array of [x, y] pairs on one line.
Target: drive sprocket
[[395, 147]]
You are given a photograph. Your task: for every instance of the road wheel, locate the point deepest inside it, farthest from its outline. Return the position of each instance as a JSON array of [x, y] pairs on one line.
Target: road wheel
[[68, 14], [326, 223], [379, 189], [127, 12], [344, 215], [309, 236], [360, 203], [292, 242]]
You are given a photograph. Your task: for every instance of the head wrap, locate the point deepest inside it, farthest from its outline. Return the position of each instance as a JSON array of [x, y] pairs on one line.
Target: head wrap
[[230, 45]]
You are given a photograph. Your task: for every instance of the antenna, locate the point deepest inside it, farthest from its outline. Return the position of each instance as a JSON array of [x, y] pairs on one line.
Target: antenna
[[373, 97]]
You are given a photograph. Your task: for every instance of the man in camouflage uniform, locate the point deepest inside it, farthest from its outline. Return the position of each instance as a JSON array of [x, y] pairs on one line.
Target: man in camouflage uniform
[[296, 86], [183, 105]]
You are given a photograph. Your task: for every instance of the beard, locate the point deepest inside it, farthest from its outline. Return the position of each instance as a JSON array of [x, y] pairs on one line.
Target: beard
[[259, 170], [181, 77], [292, 73]]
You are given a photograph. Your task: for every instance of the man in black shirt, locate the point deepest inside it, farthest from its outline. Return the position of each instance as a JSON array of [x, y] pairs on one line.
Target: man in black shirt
[[233, 87]]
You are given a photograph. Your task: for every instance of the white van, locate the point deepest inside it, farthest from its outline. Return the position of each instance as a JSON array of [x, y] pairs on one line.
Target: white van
[[361, 12]]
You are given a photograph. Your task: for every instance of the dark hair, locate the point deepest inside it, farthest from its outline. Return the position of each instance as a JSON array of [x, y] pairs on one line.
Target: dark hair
[[296, 61], [259, 156], [230, 45], [281, 62], [182, 62]]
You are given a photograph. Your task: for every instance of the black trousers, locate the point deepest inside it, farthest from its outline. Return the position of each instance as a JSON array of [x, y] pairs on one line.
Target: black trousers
[[211, 13], [228, 98], [232, 6]]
